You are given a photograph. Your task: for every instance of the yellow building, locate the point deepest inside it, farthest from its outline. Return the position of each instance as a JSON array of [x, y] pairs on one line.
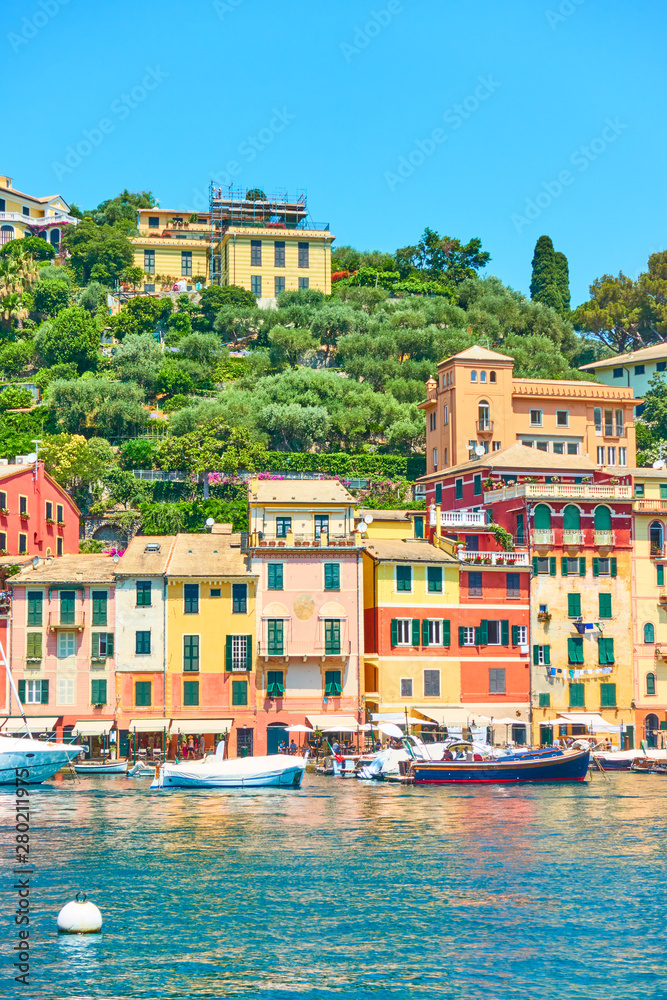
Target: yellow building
[[25, 215], [210, 659], [170, 246], [269, 261], [649, 604]]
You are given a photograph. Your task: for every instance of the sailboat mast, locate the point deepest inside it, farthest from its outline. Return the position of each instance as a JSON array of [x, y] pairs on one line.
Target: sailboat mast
[[13, 687]]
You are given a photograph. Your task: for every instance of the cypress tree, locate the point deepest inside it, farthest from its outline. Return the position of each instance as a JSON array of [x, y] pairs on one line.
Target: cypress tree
[[563, 273], [545, 282]]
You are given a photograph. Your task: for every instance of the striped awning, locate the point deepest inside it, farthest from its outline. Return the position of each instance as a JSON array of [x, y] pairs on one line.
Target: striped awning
[[93, 727], [147, 725], [37, 723], [196, 727]]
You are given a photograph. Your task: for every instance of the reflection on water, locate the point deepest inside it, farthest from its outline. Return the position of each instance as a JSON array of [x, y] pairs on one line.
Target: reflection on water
[[349, 889]]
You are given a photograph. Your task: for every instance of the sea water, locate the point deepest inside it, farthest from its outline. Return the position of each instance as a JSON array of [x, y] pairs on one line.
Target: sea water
[[346, 889]]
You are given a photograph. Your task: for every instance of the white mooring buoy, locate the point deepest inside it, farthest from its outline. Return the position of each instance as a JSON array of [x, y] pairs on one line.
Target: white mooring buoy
[[80, 917]]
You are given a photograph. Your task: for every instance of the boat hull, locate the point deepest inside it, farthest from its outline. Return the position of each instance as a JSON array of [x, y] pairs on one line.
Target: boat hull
[[570, 766], [249, 772], [39, 760], [115, 768]]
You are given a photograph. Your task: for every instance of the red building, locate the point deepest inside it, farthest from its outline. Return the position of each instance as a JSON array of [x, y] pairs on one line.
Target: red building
[[37, 516]]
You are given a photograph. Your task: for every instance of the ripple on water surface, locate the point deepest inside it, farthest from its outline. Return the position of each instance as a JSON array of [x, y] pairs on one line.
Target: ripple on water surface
[[349, 889]]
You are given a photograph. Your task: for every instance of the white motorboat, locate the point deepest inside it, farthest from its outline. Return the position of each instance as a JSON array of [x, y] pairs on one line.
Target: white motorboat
[[28, 761], [101, 767], [276, 771]]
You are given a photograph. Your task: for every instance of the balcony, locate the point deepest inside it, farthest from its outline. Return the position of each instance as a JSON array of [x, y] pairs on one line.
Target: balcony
[[38, 221], [657, 551], [460, 519], [543, 536], [605, 539], [573, 537], [485, 426], [266, 539], [301, 648], [55, 623], [494, 558], [649, 506], [560, 491]]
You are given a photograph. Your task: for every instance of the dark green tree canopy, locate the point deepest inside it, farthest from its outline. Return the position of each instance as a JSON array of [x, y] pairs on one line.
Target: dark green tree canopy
[[98, 253], [550, 281], [72, 337], [35, 246], [122, 210]]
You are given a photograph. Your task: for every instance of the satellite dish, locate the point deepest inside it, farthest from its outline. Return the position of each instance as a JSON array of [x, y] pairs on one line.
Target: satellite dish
[[35, 562], [660, 464], [210, 521], [368, 518], [362, 528], [32, 457], [479, 450], [115, 557]]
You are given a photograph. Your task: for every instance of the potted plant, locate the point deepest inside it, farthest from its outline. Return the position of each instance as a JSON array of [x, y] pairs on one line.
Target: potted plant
[[543, 616]]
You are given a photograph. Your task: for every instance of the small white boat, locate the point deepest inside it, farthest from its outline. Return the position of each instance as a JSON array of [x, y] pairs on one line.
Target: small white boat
[[101, 767], [30, 762], [276, 771], [141, 770]]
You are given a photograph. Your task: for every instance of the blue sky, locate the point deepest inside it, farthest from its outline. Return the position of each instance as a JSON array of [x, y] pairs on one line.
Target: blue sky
[[503, 120]]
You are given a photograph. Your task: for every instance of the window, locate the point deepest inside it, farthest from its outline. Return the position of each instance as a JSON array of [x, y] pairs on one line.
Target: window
[[605, 650], [575, 650], [544, 699], [255, 253], [332, 576], [303, 255], [191, 653], [3, 502], [573, 566], [600, 455], [435, 459], [483, 416], [23, 545], [216, 592], [617, 373], [419, 527], [573, 448], [482, 376], [66, 694], [406, 687], [611, 456], [562, 418], [604, 567], [59, 546], [239, 598], [186, 263], [622, 456], [275, 636], [513, 583], [542, 564], [542, 446], [474, 584], [434, 579], [332, 684], [275, 577], [577, 696], [275, 686], [35, 599], [278, 285], [574, 605], [520, 529], [98, 692], [142, 642], [542, 517], [660, 575], [34, 692], [473, 376], [466, 636], [536, 418], [238, 652], [99, 607], [3, 542], [142, 694], [48, 512], [608, 423], [401, 631], [639, 369], [256, 285], [559, 448], [143, 593], [431, 683], [519, 635], [604, 605], [497, 680], [283, 526], [190, 693], [433, 632], [477, 486], [639, 489], [191, 598], [649, 633], [607, 695], [153, 221], [60, 514], [321, 525], [446, 416], [597, 417], [26, 210], [304, 283], [67, 607], [279, 253], [66, 645], [618, 414], [149, 261], [541, 655], [458, 486], [438, 492], [497, 633], [332, 637], [404, 578], [650, 684]]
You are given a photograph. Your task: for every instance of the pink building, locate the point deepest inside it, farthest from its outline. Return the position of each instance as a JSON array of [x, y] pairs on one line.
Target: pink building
[[306, 554], [62, 644]]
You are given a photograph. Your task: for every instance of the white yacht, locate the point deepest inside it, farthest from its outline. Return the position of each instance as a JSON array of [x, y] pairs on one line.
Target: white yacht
[[24, 761]]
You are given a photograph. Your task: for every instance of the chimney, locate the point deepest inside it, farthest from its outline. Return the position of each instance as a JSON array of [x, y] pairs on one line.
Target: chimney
[[5, 181]]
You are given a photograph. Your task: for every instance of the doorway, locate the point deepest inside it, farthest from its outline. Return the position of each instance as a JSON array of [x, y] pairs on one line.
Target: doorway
[[276, 733], [244, 742]]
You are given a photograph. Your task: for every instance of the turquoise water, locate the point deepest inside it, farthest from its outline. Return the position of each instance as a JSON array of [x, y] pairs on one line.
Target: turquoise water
[[348, 889]]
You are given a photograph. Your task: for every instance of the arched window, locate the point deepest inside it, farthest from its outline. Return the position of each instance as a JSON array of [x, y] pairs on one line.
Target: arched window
[[542, 517], [649, 633], [6, 234], [483, 416], [492, 376], [650, 684], [473, 375], [651, 727], [54, 237], [482, 376], [571, 518], [602, 519], [656, 536]]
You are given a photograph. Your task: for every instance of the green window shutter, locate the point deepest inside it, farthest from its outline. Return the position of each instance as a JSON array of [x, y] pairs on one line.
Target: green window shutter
[[515, 635], [67, 607], [571, 518], [424, 631], [239, 692], [21, 685], [394, 631], [446, 632], [190, 693], [596, 566], [536, 655], [579, 650], [248, 652], [438, 492], [143, 593], [577, 696], [35, 598], [96, 644], [552, 565], [535, 569], [239, 598], [191, 653], [542, 517], [602, 519], [98, 693], [34, 645], [573, 605], [478, 636], [191, 598], [545, 699], [547, 654], [99, 607], [404, 578], [228, 652], [434, 576], [582, 565], [609, 651], [462, 635], [505, 633], [613, 566], [484, 632], [275, 576], [332, 637], [572, 651], [477, 486], [415, 631], [607, 695], [660, 575], [563, 565], [604, 605], [331, 576], [45, 692]]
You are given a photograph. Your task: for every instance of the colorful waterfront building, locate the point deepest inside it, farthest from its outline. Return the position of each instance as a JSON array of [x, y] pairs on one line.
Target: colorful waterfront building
[[649, 604], [26, 215], [172, 245], [37, 516], [634, 369], [211, 627], [306, 556], [63, 644]]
